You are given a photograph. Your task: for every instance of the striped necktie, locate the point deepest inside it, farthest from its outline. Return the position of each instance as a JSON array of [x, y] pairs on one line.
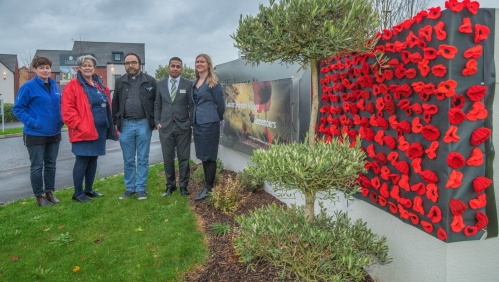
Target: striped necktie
[[173, 91]]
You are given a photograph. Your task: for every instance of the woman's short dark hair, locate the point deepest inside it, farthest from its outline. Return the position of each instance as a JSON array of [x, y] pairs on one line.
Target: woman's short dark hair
[[40, 61], [138, 58]]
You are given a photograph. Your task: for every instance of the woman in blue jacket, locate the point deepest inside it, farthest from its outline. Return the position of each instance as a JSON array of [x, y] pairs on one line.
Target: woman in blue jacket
[[209, 107], [38, 107]]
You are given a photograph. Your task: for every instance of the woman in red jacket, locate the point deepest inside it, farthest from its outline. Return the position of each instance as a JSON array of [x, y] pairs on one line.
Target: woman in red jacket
[[86, 110]]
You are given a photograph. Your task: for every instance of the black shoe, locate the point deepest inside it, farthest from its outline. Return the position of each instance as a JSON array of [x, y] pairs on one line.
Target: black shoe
[[169, 190], [93, 194], [204, 193], [42, 202], [184, 192], [82, 198], [51, 198]]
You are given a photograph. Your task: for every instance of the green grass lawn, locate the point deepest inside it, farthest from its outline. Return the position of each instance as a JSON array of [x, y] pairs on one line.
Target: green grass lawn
[[105, 240], [11, 130]]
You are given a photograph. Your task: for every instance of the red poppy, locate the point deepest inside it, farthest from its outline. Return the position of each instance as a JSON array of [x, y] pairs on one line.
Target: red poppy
[[414, 151], [480, 135], [262, 92], [448, 87], [434, 13], [439, 31], [479, 202], [431, 150], [477, 112], [439, 70], [419, 188], [454, 5], [456, 116], [447, 51], [424, 68], [476, 158], [451, 135], [476, 92], [481, 32], [428, 227], [415, 57], [411, 73], [422, 44], [412, 39], [405, 56], [471, 68], [387, 34], [458, 101], [435, 214], [474, 52], [420, 16], [473, 7], [418, 205], [432, 192], [430, 53], [466, 26], [482, 220], [455, 179], [425, 33], [417, 127], [393, 207]]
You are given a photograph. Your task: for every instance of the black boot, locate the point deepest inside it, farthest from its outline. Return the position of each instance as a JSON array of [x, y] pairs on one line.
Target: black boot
[[204, 193], [184, 191], [42, 202], [51, 198]]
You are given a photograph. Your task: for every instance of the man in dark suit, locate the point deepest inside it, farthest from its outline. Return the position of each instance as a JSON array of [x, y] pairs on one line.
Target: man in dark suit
[[173, 118]]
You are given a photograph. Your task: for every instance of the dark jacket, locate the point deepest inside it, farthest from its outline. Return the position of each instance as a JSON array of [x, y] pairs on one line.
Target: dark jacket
[[210, 105], [77, 113], [180, 111], [147, 96], [38, 109]]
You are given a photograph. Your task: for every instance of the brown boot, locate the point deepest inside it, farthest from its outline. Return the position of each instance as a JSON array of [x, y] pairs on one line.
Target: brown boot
[[51, 198], [42, 202]]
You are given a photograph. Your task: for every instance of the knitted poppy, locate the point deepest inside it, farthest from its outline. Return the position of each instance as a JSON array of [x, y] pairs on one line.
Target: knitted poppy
[[384, 173], [393, 207], [395, 193], [470, 231], [456, 116], [418, 205], [394, 178], [442, 235], [422, 44], [369, 136], [370, 107], [472, 6], [476, 92], [430, 53], [448, 87], [429, 176], [403, 144], [370, 151], [451, 135], [414, 151], [481, 183], [416, 107], [390, 47], [458, 101], [432, 192], [425, 33], [389, 106], [380, 104], [416, 165], [455, 160], [382, 201], [383, 190], [471, 68], [407, 203], [428, 227], [402, 166], [387, 34], [455, 179], [417, 127], [457, 224], [364, 122], [466, 26], [430, 132], [410, 73], [390, 142], [481, 32], [420, 16], [480, 135], [457, 207], [393, 121], [439, 31], [435, 214], [373, 197], [400, 71], [392, 157], [479, 202], [400, 46], [404, 182], [454, 5], [412, 40], [477, 112], [431, 150], [424, 68], [415, 57], [379, 137], [414, 218], [439, 70], [476, 158], [419, 188], [405, 56], [434, 13], [474, 52], [404, 126], [381, 158], [482, 220], [383, 123], [364, 191]]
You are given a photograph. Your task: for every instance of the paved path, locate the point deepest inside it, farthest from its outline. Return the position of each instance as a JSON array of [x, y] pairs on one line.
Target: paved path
[[14, 165]]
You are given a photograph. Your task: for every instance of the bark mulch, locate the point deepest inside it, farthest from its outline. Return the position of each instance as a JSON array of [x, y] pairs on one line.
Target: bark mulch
[[222, 264]]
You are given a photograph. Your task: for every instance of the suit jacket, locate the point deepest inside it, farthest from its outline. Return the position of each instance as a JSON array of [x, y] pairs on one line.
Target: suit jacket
[[147, 96], [179, 111], [209, 105]]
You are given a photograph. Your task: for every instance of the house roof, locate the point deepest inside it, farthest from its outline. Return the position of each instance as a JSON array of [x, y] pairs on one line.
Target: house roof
[[53, 55], [103, 51], [9, 61]]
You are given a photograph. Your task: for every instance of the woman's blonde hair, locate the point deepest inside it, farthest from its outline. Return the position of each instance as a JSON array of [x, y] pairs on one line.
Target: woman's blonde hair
[[211, 79]]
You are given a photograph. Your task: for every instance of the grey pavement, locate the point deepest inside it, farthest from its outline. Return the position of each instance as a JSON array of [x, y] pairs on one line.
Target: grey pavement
[[14, 165], [14, 124]]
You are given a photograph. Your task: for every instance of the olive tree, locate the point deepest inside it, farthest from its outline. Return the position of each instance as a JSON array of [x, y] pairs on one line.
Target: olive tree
[[306, 32]]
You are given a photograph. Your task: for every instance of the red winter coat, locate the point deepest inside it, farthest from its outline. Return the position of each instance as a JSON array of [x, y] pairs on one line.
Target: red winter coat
[[76, 112]]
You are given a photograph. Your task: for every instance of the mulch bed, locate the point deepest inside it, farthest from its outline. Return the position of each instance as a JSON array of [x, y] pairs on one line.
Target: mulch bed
[[222, 264]]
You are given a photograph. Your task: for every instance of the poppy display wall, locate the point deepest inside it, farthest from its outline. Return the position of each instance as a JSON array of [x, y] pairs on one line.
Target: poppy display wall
[[424, 117]]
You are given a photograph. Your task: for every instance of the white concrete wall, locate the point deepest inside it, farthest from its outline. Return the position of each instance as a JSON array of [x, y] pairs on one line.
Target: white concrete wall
[[417, 256], [6, 85], [112, 70]]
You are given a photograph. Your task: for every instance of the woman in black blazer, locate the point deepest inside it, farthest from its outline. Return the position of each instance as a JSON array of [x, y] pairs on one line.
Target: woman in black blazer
[[209, 108]]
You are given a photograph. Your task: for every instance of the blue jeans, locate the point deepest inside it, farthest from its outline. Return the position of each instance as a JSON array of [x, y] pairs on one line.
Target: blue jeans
[[42, 171], [135, 140]]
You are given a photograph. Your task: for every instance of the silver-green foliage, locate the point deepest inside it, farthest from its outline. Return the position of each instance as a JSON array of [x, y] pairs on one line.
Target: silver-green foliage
[[198, 174], [249, 182], [327, 168], [331, 248]]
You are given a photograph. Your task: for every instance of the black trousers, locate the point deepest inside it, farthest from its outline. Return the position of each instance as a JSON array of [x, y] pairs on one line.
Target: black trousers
[[176, 140]]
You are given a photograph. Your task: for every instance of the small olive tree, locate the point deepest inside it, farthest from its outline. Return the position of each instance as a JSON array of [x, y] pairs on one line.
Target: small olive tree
[[306, 32]]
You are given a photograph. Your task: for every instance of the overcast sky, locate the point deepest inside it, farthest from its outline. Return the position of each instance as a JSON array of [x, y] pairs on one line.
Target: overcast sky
[[168, 28]]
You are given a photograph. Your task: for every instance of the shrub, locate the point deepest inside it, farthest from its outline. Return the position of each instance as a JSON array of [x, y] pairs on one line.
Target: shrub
[[198, 174], [330, 248], [8, 114], [249, 182], [226, 195]]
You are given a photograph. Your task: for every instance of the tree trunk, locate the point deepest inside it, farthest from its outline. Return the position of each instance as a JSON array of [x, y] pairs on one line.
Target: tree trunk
[[309, 206], [315, 103]]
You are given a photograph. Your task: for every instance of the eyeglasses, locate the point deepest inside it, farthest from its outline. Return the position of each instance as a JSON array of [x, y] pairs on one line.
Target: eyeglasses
[[131, 63]]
